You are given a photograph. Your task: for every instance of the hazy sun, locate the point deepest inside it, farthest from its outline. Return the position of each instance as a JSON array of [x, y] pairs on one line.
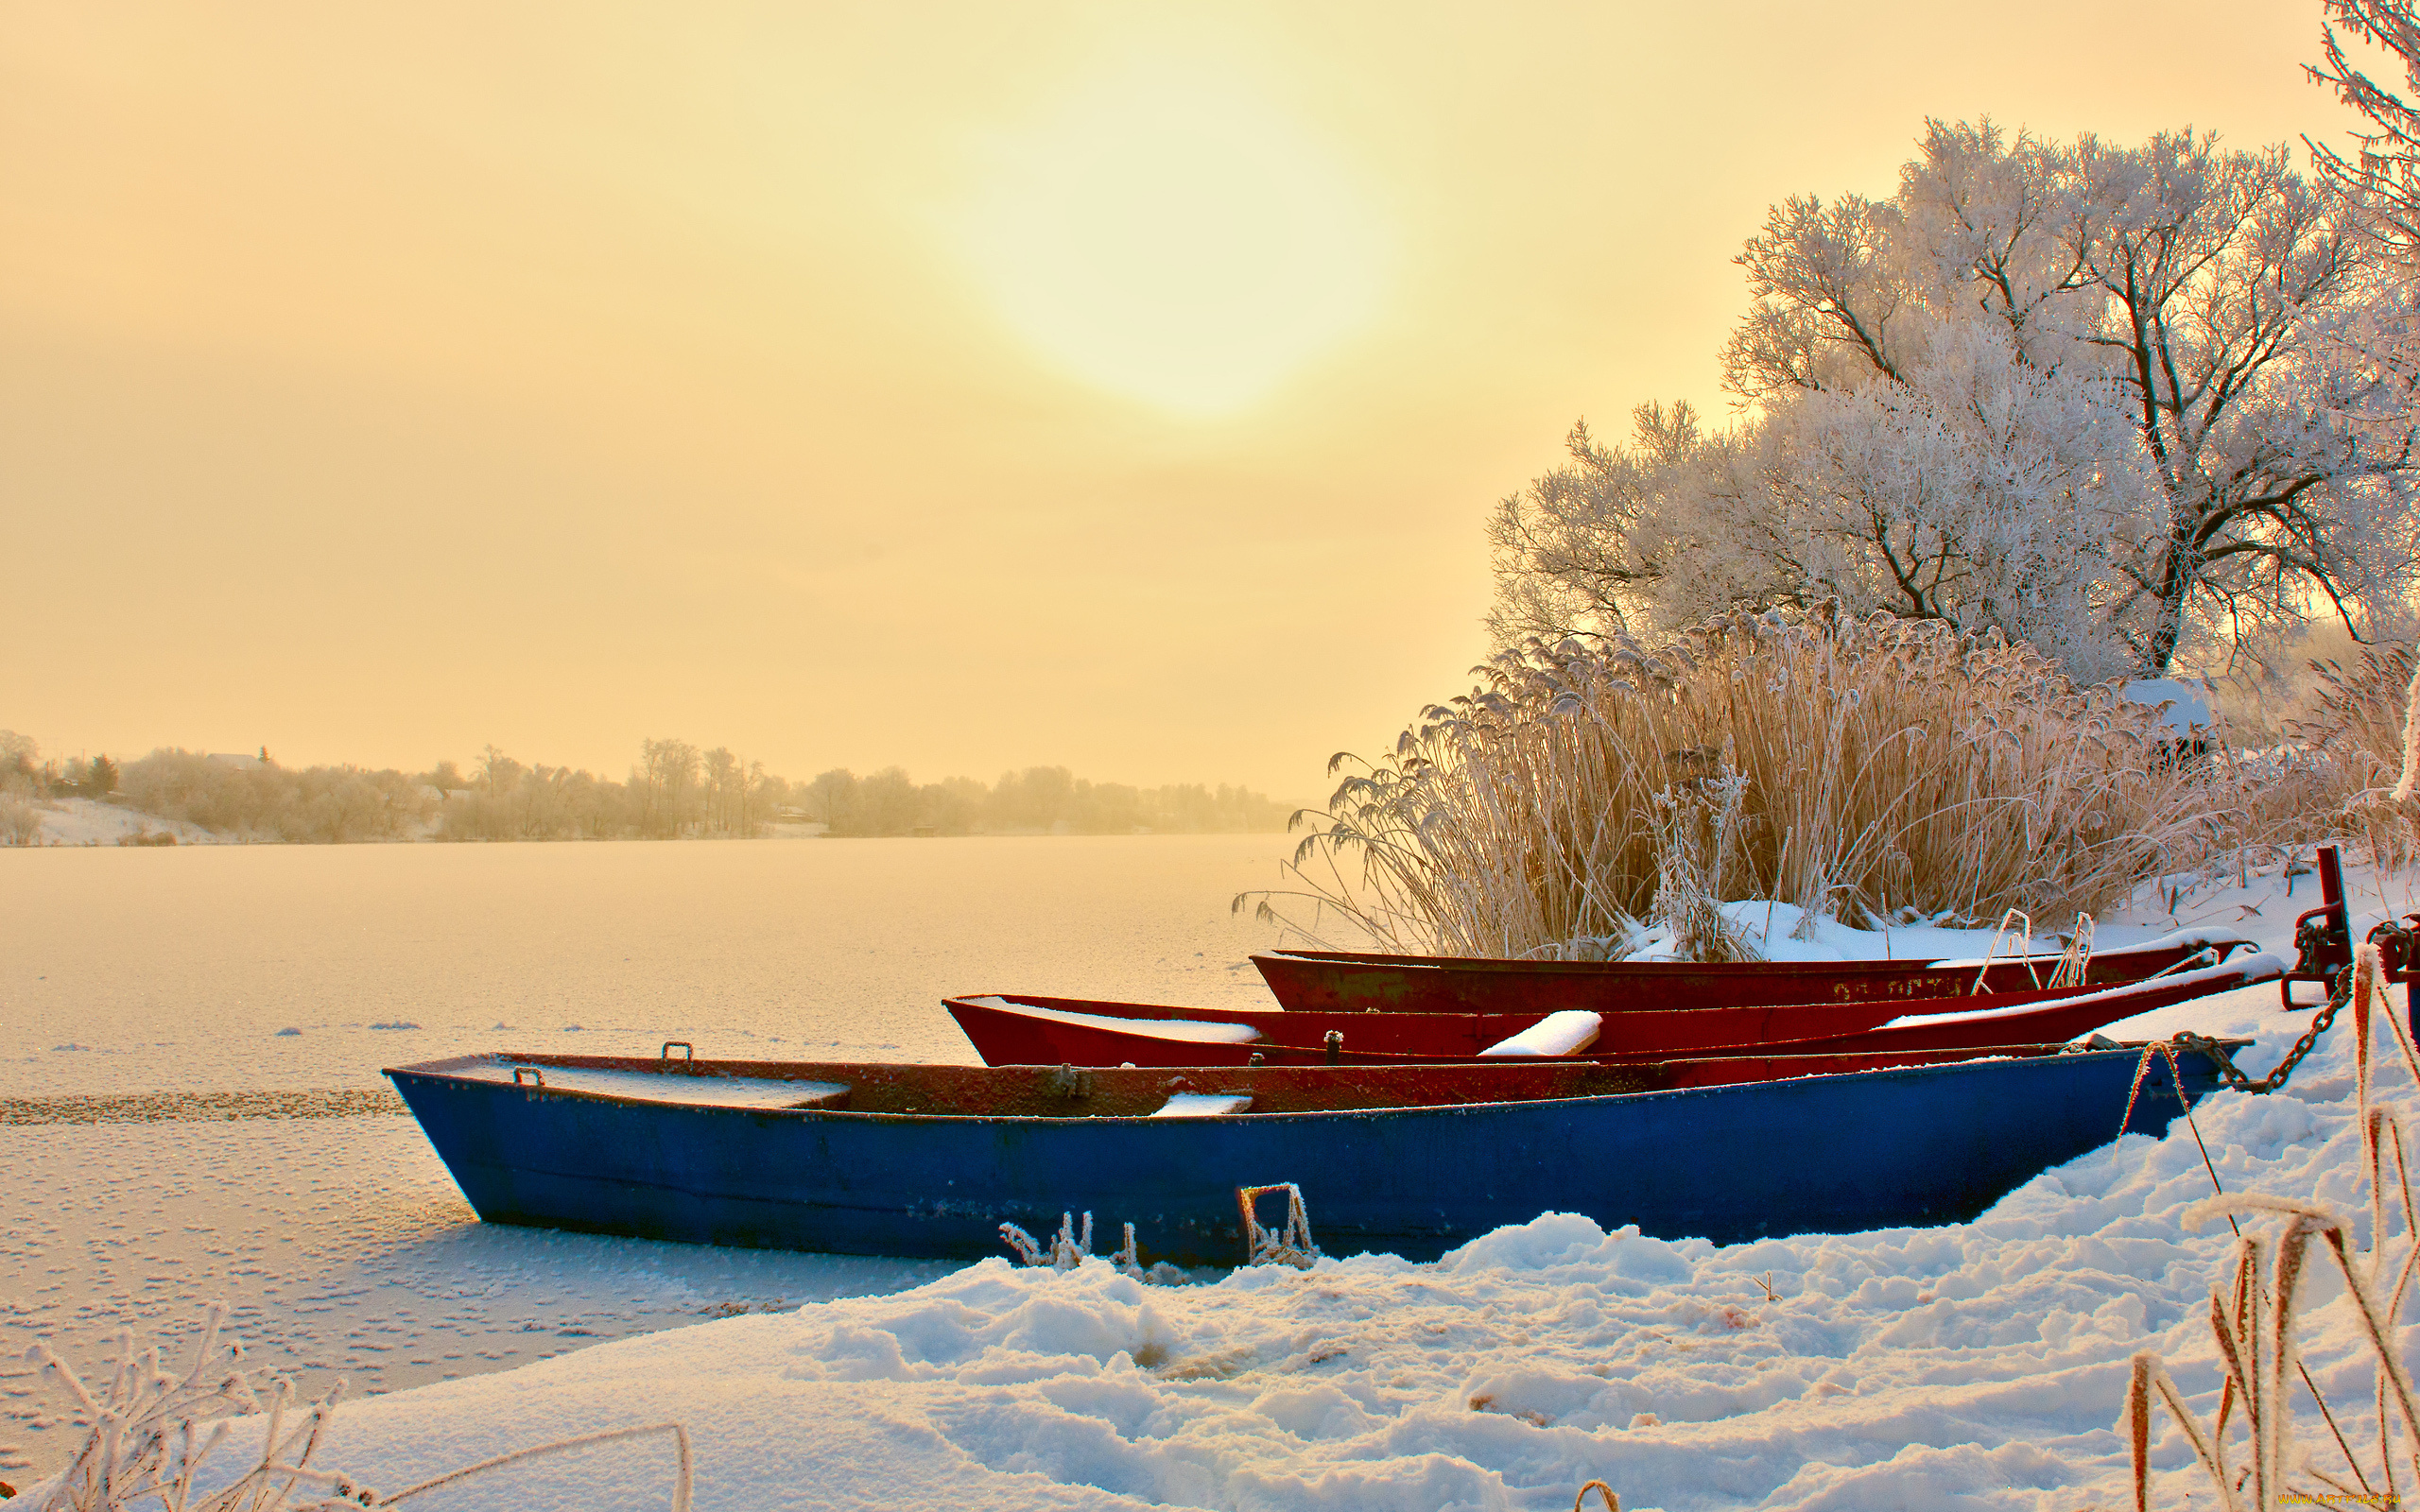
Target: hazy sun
[[1172, 234]]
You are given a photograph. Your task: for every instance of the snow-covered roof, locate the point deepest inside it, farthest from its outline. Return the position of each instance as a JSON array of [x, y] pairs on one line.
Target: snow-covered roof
[[2188, 703]]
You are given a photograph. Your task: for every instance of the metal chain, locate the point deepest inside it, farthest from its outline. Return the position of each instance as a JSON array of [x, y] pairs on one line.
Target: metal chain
[[2338, 996]]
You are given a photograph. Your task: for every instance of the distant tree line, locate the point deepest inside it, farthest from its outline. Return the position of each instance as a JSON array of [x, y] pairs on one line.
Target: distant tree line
[[677, 790], [673, 791], [327, 805], [23, 773], [1038, 801], [26, 783]]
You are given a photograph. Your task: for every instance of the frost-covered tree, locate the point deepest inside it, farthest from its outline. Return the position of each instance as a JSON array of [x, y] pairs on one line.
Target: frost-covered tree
[[2381, 180], [2225, 280], [2091, 396], [2383, 174]]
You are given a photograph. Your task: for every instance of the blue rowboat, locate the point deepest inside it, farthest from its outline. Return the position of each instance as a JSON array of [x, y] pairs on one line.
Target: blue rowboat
[[929, 1160]]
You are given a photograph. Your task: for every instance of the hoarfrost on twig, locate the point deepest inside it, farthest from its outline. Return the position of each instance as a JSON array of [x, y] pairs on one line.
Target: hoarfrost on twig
[[1066, 1250]]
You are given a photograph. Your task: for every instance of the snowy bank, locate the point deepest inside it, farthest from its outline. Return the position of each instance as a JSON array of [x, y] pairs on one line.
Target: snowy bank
[[1980, 1364], [88, 821], [1973, 1365]]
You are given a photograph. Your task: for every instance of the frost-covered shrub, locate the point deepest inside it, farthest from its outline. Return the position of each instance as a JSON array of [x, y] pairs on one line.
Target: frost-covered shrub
[[2357, 717], [20, 818], [2112, 399], [1884, 764], [327, 804]]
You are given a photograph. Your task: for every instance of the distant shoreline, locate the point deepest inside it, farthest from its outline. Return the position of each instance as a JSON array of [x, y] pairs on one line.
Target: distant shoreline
[[675, 791], [83, 824]]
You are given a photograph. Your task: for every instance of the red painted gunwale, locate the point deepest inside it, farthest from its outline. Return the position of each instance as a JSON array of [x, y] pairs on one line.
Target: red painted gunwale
[[1349, 981], [937, 1093]]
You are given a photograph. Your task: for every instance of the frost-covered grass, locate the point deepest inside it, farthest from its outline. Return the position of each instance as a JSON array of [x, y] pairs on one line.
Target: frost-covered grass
[[1885, 766], [156, 1434]]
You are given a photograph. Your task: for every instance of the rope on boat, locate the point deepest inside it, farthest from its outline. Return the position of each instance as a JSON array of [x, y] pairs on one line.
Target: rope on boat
[[2176, 1076], [1288, 1246], [1613, 1503], [2023, 948], [2206, 956]]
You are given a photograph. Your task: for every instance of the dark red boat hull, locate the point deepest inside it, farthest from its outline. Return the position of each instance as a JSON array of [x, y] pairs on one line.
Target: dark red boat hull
[[1004, 1036], [1345, 981]]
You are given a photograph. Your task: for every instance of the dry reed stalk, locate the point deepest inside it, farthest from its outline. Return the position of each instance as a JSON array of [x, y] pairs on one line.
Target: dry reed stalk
[[1695, 833], [2252, 1317], [2408, 780], [2077, 962], [1887, 766]]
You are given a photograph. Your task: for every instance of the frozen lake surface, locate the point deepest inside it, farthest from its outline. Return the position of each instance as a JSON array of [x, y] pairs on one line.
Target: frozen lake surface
[[177, 970], [332, 1234]]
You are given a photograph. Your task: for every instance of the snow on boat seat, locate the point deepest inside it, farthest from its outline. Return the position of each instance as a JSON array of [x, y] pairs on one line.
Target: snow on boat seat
[[1565, 1033], [669, 1087], [1199, 1031], [1200, 1104]]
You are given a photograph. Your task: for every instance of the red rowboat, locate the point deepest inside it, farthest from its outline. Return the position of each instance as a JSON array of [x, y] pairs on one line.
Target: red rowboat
[[1010, 1031], [1348, 981]]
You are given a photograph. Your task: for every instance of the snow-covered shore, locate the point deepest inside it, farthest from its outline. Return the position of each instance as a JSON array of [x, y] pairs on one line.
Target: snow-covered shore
[[1980, 1364], [89, 821], [1976, 1366]]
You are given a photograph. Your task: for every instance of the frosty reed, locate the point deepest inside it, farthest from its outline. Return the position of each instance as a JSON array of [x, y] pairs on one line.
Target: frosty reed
[[2253, 1314], [1865, 768], [2348, 750]]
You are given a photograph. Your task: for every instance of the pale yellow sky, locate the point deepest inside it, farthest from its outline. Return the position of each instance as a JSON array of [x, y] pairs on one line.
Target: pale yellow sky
[[963, 387]]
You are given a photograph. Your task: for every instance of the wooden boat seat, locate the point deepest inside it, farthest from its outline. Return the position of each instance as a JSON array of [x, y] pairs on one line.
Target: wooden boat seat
[[1202, 1105], [1196, 1030]]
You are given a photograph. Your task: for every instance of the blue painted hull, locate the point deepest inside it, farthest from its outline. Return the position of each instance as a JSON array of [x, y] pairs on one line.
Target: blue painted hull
[[1818, 1154]]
